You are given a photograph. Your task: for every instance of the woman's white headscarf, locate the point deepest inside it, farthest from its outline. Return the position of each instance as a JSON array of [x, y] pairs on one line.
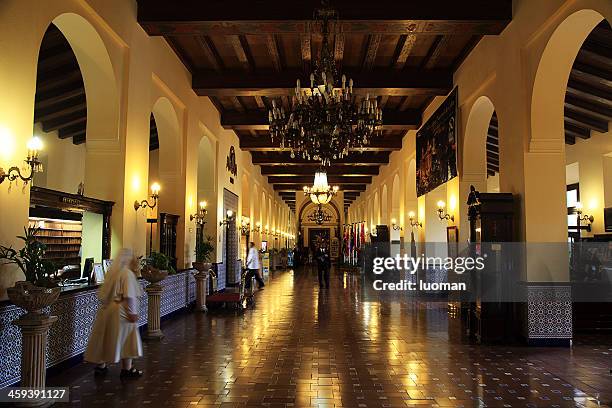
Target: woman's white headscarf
[[119, 266]]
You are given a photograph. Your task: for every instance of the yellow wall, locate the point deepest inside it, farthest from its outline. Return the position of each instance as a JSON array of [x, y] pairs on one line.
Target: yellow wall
[[91, 243], [127, 75]]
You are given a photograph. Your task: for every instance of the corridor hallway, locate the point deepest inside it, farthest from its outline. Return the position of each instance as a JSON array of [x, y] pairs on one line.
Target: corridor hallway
[[304, 347]]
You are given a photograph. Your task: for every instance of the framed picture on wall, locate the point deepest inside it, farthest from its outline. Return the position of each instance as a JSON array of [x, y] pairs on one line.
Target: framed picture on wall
[[452, 234], [98, 273], [452, 239]]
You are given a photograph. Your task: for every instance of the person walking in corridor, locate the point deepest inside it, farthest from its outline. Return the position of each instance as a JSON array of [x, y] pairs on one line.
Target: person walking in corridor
[[115, 333], [254, 266], [323, 265]]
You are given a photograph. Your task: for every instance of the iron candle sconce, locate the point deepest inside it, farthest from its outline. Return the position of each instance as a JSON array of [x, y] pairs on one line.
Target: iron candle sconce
[[442, 214], [145, 203], [395, 226], [199, 216], [413, 222], [14, 172], [586, 218], [229, 214]]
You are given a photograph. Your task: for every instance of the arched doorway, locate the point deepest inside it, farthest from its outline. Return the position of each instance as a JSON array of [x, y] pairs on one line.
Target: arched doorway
[[314, 233], [164, 161], [72, 124]]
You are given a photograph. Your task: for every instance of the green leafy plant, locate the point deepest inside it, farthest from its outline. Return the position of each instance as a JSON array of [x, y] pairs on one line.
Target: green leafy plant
[[204, 249], [160, 261], [30, 259]]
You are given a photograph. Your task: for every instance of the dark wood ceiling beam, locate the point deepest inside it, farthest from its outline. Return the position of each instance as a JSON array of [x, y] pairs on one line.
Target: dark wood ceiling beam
[[592, 75], [306, 48], [432, 57], [60, 112], [273, 51], [594, 109], [71, 131], [299, 187], [306, 180], [194, 17], [210, 52], [58, 95], [576, 131], [78, 139], [264, 143], [352, 159], [371, 51], [404, 47], [588, 92], [347, 171], [339, 49], [275, 84], [586, 121], [258, 120], [59, 107], [65, 121]]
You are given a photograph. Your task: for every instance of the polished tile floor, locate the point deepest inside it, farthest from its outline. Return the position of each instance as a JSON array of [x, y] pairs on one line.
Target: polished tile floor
[[305, 347]]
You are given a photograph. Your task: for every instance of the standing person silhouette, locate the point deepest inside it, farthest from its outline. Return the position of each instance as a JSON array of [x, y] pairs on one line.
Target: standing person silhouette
[[323, 264], [253, 265]]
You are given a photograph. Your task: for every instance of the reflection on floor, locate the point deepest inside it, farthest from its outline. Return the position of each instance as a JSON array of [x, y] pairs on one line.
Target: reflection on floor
[[302, 347]]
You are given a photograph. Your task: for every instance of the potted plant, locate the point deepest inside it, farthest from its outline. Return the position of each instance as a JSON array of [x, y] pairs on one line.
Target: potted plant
[[156, 267], [38, 290], [203, 253]]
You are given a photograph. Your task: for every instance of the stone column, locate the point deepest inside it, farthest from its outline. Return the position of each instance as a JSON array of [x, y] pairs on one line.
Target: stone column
[[201, 281], [34, 330], [154, 291]]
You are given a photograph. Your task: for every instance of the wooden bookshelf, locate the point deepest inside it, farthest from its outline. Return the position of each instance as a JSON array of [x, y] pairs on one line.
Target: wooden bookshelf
[[62, 238]]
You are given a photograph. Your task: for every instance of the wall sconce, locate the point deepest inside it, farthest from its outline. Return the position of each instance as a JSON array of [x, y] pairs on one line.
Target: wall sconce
[[257, 227], [395, 226], [199, 216], [229, 214], [414, 223], [34, 145], [267, 230], [245, 226], [145, 203], [442, 214], [586, 218]]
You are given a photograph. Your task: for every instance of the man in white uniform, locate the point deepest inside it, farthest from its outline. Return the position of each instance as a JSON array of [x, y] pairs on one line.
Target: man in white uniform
[[253, 265]]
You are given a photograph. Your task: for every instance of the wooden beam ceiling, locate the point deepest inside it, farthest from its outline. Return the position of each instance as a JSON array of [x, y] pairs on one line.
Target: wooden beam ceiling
[[275, 84], [194, 17], [284, 159]]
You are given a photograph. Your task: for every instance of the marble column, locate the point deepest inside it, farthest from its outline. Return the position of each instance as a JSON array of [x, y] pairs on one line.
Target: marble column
[[34, 330], [154, 291], [201, 283]]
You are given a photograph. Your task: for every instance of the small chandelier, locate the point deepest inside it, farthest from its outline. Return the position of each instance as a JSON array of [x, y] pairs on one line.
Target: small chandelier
[[321, 193], [319, 216], [324, 122]]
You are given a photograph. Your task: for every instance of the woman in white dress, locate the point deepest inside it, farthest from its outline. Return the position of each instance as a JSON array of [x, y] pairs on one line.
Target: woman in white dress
[[115, 333]]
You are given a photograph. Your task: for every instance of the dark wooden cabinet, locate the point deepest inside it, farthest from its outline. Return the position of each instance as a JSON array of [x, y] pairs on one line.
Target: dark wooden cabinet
[[492, 221], [167, 236]]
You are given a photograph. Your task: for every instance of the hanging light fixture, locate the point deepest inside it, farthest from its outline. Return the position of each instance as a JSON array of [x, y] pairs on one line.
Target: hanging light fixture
[[323, 122], [319, 216], [321, 193]]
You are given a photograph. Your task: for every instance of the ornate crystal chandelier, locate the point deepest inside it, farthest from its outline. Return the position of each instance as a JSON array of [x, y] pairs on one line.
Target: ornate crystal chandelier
[[320, 193], [319, 216], [323, 121]]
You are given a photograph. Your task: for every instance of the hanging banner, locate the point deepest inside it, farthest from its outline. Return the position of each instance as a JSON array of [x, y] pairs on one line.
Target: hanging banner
[[436, 147]]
